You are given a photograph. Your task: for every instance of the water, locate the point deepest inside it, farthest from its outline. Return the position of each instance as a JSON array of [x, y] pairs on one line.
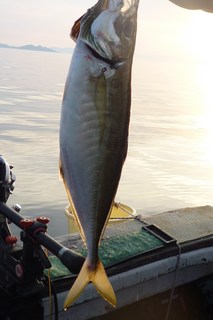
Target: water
[[170, 156]]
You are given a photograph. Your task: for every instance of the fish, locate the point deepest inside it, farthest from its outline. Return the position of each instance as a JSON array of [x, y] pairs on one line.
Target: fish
[[94, 127]]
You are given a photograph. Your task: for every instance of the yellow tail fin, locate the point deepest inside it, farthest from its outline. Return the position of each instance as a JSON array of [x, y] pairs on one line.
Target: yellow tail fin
[[98, 277]]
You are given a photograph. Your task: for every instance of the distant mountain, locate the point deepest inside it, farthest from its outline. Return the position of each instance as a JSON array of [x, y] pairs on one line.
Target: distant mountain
[[36, 48], [27, 47], [63, 50], [2, 45]]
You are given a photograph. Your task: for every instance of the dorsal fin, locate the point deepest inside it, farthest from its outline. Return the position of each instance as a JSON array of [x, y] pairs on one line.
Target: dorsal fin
[[76, 29]]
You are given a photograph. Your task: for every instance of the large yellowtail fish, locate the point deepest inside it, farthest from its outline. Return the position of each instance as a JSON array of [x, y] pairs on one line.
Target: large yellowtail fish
[[94, 126]]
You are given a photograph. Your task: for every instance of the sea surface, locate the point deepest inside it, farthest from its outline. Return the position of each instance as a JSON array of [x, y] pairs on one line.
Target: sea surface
[[170, 156]]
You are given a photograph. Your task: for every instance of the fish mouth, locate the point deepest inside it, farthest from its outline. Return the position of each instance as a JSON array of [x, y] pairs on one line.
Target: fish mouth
[[108, 30], [113, 30]]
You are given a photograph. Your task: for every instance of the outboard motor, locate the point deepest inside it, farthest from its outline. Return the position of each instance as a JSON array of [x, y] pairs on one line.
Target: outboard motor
[[7, 180], [22, 262]]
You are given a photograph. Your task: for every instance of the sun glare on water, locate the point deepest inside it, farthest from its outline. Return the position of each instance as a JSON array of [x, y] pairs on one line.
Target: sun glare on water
[[199, 34], [199, 44]]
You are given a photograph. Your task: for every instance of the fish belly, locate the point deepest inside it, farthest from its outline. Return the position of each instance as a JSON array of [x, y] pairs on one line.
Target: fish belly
[[93, 145]]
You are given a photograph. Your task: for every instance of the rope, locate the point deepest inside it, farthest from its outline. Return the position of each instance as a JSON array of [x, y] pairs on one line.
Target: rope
[[120, 218], [52, 292], [174, 282], [119, 205], [177, 263]]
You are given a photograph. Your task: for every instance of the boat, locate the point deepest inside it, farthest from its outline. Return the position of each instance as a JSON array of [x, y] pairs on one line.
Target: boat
[[160, 266]]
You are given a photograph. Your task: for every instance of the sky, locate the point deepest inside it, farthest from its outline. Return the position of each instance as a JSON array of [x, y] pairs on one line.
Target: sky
[[163, 28]]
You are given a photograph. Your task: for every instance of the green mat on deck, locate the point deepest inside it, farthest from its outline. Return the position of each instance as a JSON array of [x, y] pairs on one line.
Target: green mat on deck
[[114, 250]]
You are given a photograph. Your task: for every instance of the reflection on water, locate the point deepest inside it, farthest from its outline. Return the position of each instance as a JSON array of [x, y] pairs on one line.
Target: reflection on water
[[170, 152], [30, 97], [170, 156]]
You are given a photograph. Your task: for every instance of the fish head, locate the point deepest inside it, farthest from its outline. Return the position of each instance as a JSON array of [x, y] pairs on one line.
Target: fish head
[[109, 29]]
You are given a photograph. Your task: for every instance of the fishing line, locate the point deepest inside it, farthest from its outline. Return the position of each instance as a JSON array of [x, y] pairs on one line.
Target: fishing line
[[54, 294], [49, 287]]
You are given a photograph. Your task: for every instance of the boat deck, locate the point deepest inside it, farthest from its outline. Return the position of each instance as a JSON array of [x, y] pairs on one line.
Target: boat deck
[[142, 256], [185, 224]]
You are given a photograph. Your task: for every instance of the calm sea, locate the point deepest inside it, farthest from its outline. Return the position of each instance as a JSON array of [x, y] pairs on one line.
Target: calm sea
[[170, 156]]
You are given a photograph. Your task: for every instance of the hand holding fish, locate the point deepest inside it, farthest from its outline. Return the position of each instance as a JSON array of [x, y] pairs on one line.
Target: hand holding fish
[[206, 5]]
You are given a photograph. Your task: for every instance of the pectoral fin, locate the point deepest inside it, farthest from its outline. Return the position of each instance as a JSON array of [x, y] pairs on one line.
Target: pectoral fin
[[98, 277], [76, 29]]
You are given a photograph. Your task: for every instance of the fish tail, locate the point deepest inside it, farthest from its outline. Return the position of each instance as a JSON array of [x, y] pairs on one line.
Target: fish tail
[[100, 280]]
